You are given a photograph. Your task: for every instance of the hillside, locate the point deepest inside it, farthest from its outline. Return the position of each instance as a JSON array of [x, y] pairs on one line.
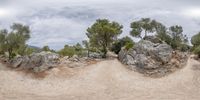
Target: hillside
[[106, 80]]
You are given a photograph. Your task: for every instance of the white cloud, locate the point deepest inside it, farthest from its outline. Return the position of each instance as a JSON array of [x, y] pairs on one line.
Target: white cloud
[[193, 12]]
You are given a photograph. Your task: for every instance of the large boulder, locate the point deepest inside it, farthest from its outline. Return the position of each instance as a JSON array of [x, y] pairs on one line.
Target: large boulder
[[146, 54], [38, 62], [156, 59]]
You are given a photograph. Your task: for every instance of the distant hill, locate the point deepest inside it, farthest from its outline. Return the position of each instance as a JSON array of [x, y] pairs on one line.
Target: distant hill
[[36, 49]]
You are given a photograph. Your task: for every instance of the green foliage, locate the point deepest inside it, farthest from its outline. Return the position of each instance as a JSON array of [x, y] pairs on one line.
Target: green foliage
[[129, 46], [46, 48], [172, 36], [3, 34], [78, 49], [29, 51], [196, 44], [126, 42], [176, 36], [67, 51], [197, 51], [87, 47], [102, 33], [71, 50], [14, 42], [196, 40], [161, 32], [145, 25], [184, 47]]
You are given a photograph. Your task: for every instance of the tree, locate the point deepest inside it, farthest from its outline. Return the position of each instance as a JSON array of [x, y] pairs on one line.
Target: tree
[[14, 42], [102, 33], [126, 42], [144, 25], [197, 51], [196, 44], [196, 40], [67, 51], [3, 34], [177, 37], [78, 49], [46, 48], [172, 36], [87, 46], [161, 32], [71, 50]]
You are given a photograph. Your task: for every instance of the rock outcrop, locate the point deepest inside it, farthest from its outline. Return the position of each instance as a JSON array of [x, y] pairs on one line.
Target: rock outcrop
[[37, 62], [75, 61], [152, 58]]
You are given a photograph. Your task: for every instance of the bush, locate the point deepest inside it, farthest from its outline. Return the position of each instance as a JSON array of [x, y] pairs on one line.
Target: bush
[[72, 50], [184, 47], [196, 40], [129, 46], [196, 44], [126, 42], [197, 51], [67, 51]]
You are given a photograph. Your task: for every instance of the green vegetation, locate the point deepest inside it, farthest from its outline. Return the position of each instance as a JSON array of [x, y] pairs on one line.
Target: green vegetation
[[102, 33], [197, 51], [196, 40], [126, 42], [14, 42], [145, 25], [71, 50], [172, 35], [87, 47], [196, 44], [46, 48], [103, 36]]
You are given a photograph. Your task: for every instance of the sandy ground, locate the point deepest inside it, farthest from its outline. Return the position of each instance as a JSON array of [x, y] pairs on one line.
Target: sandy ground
[[106, 80]]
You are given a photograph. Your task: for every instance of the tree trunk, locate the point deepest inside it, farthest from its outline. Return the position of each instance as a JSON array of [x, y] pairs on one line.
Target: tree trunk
[[104, 52]]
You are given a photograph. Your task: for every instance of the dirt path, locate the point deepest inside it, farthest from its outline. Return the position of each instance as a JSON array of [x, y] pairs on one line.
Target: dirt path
[[106, 80]]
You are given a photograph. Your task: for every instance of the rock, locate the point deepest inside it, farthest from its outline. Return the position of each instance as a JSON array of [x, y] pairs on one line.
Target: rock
[[17, 62], [153, 39], [150, 58], [38, 61], [74, 58], [95, 55], [146, 54]]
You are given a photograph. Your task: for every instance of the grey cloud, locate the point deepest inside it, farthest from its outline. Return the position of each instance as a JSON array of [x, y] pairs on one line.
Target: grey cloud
[[61, 22]]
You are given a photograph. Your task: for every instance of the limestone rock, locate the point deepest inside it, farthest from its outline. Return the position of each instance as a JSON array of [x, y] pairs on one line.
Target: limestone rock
[[37, 61]]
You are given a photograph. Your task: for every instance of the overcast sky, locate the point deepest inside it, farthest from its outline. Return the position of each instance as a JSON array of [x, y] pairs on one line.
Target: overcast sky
[[59, 22]]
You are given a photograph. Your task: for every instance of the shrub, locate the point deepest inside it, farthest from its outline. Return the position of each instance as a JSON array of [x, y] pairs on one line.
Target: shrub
[[196, 40], [129, 46], [125, 41], [197, 51], [71, 50]]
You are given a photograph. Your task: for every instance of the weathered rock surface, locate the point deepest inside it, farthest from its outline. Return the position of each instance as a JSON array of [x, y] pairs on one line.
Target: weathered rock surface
[[38, 62], [75, 61], [152, 58], [95, 55]]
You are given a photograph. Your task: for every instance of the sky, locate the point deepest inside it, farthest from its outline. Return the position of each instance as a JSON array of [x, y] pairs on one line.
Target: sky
[[59, 22]]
